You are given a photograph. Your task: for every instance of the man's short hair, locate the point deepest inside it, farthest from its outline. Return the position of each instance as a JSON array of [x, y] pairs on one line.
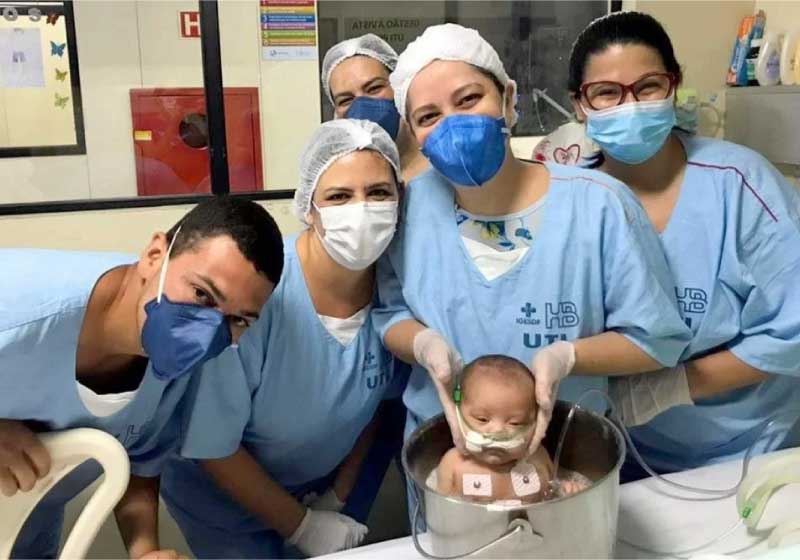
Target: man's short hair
[[249, 224]]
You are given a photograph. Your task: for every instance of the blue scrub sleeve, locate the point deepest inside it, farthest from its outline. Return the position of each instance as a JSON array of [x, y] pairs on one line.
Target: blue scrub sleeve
[[391, 308], [400, 374], [150, 463], [768, 243], [640, 292], [219, 400]]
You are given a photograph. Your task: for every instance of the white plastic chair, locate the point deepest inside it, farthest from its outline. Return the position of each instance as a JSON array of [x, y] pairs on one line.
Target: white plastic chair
[[68, 449]]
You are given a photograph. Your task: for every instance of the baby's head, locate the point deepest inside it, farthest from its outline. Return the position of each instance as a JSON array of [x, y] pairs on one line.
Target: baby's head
[[498, 408]]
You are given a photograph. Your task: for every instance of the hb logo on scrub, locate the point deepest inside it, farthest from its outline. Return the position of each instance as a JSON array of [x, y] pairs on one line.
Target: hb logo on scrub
[[691, 300], [130, 436], [562, 315]]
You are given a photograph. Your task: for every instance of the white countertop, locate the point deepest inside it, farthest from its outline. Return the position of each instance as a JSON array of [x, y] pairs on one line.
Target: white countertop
[[654, 516]]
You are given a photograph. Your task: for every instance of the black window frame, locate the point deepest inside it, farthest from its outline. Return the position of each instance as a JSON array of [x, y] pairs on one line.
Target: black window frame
[[215, 111]]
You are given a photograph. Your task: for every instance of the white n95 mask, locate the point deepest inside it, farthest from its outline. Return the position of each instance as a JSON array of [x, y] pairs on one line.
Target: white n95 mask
[[357, 234]]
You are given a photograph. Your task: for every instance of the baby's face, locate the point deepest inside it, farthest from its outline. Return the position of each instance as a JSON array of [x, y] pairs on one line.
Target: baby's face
[[490, 407]]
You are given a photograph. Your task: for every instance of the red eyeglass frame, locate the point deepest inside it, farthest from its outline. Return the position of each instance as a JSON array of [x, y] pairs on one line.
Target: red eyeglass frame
[[673, 82]]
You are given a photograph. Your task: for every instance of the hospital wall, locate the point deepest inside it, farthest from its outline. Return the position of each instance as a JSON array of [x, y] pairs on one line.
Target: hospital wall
[[782, 15], [124, 230], [127, 230]]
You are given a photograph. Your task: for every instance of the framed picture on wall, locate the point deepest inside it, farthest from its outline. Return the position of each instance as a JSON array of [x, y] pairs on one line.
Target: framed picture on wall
[[40, 93]]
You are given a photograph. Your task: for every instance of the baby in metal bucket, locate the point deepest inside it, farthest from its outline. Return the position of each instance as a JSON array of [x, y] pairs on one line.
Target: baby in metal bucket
[[496, 410]]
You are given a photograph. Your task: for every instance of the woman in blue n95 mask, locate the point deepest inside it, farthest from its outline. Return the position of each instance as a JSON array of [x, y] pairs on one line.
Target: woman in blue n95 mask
[[728, 223], [355, 76], [555, 266]]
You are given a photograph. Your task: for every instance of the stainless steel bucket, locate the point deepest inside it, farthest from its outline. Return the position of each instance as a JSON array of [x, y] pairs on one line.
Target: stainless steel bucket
[[583, 525]]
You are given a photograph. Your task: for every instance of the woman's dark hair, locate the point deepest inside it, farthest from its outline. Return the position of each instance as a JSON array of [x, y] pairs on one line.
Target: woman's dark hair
[[619, 28]]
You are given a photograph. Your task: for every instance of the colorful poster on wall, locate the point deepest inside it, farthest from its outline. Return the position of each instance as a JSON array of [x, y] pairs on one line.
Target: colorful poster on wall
[[288, 30]]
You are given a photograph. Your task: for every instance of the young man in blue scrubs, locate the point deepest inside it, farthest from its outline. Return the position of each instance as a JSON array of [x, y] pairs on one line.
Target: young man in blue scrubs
[[104, 341]]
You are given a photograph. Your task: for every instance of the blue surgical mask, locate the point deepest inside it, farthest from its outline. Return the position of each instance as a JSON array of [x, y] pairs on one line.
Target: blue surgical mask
[[380, 111], [468, 149], [632, 132], [180, 336]]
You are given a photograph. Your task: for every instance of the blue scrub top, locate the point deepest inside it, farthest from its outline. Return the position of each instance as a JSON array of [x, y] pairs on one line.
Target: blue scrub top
[[596, 265], [294, 396], [43, 299], [733, 244]]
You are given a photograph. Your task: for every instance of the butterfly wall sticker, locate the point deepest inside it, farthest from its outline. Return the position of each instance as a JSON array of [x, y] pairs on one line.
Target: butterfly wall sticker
[[61, 101], [57, 49], [52, 18], [61, 76]]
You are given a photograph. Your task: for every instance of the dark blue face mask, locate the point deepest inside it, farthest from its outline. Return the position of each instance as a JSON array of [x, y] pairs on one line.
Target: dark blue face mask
[[467, 149], [180, 336], [380, 111]]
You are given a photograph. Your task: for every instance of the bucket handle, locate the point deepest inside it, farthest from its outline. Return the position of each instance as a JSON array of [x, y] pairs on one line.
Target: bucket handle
[[514, 528]]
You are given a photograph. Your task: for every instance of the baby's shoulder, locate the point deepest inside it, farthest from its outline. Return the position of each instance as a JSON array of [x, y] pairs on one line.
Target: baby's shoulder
[[451, 460]]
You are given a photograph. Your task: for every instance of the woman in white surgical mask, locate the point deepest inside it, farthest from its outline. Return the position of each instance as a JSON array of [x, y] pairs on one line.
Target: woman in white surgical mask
[[281, 429]]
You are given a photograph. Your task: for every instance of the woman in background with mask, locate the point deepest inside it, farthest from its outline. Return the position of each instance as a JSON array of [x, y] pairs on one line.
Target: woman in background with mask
[[279, 426], [355, 75], [730, 229], [555, 266]]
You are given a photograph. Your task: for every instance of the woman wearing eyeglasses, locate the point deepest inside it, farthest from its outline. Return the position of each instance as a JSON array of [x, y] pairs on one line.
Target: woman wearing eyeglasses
[[729, 224]]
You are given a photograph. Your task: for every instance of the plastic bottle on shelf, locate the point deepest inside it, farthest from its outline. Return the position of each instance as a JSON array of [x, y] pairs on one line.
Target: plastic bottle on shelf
[[790, 58], [768, 64]]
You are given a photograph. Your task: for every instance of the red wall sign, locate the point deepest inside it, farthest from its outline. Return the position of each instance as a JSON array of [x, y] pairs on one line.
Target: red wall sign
[[190, 24]]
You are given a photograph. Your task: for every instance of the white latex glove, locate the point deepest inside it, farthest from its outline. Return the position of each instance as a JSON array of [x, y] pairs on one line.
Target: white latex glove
[[550, 365], [328, 501], [640, 398], [443, 363], [325, 532]]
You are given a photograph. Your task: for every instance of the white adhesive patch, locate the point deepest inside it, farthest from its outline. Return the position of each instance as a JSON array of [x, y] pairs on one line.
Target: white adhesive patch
[[477, 485], [525, 479], [507, 503]]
